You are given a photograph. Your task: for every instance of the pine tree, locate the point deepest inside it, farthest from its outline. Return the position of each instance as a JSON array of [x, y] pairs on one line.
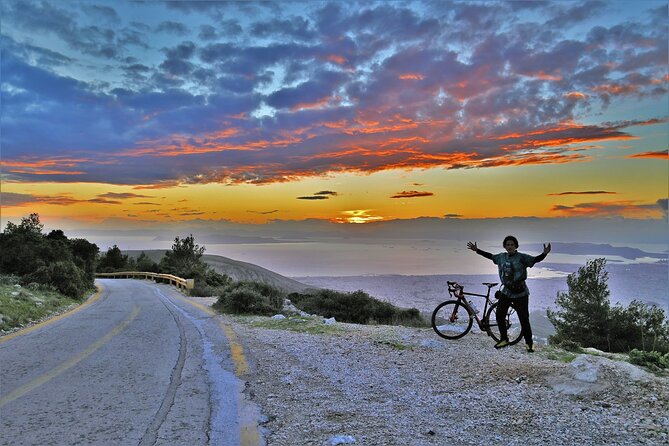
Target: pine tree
[[583, 316]]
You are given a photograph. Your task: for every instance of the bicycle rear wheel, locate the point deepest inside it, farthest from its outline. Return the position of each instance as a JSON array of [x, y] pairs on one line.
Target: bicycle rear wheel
[[513, 328], [452, 320]]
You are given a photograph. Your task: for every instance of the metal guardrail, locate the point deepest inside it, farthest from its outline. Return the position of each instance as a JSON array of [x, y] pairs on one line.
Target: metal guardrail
[[187, 284]]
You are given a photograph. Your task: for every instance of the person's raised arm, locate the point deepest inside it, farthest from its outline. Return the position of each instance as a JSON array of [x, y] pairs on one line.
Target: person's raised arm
[[478, 251], [540, 257]]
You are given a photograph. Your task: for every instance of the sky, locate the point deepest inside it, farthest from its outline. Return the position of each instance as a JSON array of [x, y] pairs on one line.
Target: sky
[[126, 115]]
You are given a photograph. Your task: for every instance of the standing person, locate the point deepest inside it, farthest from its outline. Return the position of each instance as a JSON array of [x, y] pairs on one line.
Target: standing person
[[512, 266]]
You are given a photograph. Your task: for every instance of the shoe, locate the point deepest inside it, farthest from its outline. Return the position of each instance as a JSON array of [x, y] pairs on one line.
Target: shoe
[[530, 348], [501, 344]]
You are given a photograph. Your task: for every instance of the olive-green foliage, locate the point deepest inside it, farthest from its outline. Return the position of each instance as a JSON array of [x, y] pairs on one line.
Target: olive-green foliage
[[25, 250], [586, 318], [113, 260], [357, 307], [20, 306], [64, 276], [652, 360], [184, 260], [210, 283], [250, 298], [145, 264]]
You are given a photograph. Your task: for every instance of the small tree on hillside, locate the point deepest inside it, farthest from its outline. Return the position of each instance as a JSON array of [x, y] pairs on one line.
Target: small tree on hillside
[[144, 263], [185, 258], [113, 260], [584, 309], [587, 318]]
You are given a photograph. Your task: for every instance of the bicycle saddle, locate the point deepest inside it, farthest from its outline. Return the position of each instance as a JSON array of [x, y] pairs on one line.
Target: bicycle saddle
[[489, 284]]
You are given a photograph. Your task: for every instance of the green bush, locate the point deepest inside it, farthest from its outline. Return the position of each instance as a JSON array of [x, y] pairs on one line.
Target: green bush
[[357, 307], [651, 360], [250, 298], [585, 316], [64, 276]]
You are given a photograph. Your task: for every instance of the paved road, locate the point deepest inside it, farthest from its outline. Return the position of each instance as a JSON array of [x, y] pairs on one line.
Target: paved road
[[140, 365]]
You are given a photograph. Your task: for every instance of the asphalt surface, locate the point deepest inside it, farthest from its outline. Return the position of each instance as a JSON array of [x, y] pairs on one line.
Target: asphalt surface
[[138, 366]]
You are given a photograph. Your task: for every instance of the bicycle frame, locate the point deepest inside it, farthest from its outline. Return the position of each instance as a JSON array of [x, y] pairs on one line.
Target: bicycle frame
[[459, 294]]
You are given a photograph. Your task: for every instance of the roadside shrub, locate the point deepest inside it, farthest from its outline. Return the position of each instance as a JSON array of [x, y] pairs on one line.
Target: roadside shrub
[[568, 345], [585, 316], [64, 276], [651, 360], [250, 298], [357, 307], [9, 279]]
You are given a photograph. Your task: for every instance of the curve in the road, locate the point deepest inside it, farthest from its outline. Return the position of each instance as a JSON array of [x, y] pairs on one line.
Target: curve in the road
[[43, 379]]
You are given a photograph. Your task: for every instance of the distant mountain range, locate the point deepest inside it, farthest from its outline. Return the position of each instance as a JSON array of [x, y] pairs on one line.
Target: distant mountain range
[[593, 249], [239, 271]]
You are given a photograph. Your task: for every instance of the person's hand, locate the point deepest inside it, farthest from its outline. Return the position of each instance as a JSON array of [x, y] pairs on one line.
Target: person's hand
[[547, 248], [473, 247]]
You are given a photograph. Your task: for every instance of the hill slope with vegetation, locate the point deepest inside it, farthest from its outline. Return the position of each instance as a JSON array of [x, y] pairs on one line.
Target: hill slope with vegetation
[[237, 270]]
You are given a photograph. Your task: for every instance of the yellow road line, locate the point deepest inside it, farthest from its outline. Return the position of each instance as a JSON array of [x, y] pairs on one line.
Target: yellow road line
[[26, 388], [25, 331], [238, 358], [248, 432]]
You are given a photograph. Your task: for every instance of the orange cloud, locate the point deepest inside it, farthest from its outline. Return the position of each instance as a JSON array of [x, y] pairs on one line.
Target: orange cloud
[[412, 76], [321, 103], [616, 89], [660, 154], [575, 95], [339, 60], [610, 209], [33, 166]]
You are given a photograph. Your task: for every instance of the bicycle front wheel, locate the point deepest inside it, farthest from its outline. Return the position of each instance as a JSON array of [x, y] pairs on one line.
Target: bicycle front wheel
[[452, 320], [512, 322]]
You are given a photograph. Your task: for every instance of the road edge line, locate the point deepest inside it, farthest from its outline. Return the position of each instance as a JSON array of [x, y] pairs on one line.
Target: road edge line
[[53, 373], [249, 433], [51, 320]]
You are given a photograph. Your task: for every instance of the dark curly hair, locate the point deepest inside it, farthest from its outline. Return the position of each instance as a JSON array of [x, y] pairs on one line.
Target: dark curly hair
[[512, 238]]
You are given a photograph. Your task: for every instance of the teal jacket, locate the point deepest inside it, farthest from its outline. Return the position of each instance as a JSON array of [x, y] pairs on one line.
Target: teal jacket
[[513, 270]]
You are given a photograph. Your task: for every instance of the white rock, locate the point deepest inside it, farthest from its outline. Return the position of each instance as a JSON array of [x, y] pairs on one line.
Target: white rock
[[431, 343], [330, 321], [340, 439], [278, 316], [15, 293]]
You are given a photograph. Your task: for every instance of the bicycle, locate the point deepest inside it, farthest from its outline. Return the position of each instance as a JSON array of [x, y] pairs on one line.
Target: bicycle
[[454, 318]]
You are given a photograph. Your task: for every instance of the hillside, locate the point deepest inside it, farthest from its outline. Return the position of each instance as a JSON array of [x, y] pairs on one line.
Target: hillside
[[239, 271]]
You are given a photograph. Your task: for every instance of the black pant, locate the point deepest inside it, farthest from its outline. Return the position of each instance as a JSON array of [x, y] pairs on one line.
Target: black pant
[[520, 304]]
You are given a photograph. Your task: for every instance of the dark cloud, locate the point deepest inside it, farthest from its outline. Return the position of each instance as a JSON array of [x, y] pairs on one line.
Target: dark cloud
[[327, 192], [662, 204], [102, 12], [587, 192], [264, 212], [453, 215], [412, 194], [309, 92], [571, 15], [313, 197], [612, 208], [176, 28], [295, 28], [326, 88], [122, 196], [11, 199]]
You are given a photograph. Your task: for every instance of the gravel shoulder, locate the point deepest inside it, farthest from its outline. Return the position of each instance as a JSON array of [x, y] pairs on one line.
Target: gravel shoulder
[[385, 385]]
